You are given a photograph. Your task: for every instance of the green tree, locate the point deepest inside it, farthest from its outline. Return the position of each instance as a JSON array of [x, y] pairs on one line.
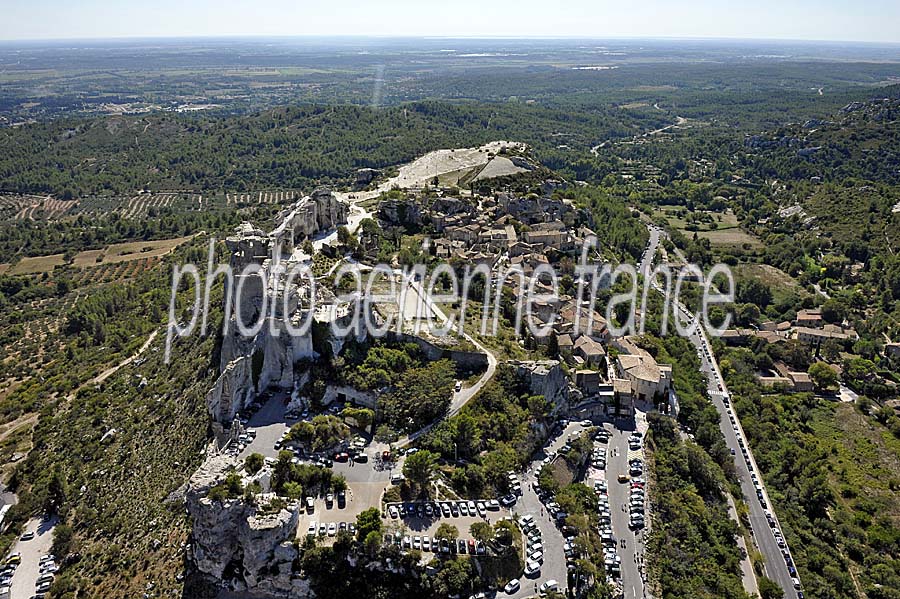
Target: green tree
[[368, 521], [446, 531], [419, 466], [385, 434], [754, 291], [466, 434], [56, 492], [293, 490], [363, 417], [769, 589], [373, 541], [254, 462], [283, 470], [63, 540], [481, 531], [823, 376]]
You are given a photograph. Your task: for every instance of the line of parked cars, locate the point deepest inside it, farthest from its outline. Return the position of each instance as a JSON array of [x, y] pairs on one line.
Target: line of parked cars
[[47, 569], [611, 558], [534, 545], [330, 498], [757, 485], [446, 509], [534, 551], [7, 571], [331, 529]]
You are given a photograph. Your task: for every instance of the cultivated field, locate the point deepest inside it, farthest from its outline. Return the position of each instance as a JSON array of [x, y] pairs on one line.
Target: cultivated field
[[32, 207], [730, 238], [262, 197], [726, 231], [114, 254]]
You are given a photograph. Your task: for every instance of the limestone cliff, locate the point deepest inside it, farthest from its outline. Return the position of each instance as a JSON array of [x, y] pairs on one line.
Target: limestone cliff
[[245, 546], [233, 391]]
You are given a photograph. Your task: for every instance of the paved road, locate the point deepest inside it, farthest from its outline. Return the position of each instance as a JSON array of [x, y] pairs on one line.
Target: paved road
[[23, 581], [776, 568], [763, 537], [619, 497]]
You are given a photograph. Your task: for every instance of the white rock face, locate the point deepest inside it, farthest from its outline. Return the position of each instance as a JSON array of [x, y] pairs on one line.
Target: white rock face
[[232, 392], [258, 545], [278, 360]]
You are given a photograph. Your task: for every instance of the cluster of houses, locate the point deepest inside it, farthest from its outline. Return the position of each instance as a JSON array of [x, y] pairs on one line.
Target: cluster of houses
[[524, 230], [481, 229], [809, 327]]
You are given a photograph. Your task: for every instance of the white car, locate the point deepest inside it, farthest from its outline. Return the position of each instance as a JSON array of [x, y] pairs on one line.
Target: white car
[[532, 568], [511, 587], [426, 543], [536, 556], [311, 530], [550, 585], [332, 529], [392, 510]]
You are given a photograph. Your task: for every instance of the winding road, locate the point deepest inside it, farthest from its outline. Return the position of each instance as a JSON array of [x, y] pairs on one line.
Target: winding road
[[463, 396]]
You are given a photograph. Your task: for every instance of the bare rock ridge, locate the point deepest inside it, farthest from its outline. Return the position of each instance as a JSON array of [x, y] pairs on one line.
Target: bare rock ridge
[[260, 262]]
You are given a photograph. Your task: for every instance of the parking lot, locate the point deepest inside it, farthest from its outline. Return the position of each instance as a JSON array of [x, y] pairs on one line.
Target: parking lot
[[30, 551], [269, 424]]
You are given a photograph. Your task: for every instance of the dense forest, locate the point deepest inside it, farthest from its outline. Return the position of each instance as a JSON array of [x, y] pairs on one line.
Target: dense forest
[[293, 147]]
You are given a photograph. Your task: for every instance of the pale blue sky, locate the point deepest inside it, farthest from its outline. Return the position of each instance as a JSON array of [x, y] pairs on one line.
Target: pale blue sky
[[859, 20]]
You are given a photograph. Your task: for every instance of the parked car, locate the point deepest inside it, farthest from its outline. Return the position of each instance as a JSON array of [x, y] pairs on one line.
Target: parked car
[[550, 585]]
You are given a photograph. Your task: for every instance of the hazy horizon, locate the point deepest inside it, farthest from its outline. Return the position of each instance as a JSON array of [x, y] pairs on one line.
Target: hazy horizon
[[867, 21]]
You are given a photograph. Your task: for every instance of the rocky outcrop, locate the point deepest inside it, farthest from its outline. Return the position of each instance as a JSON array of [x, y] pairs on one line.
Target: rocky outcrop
[[545, 377], [364, 176], [250, 544], [317, 212], [266, 543], [251, 294], [400, 212]]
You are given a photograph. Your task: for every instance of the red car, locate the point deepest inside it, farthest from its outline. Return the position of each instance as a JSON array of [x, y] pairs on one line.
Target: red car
[[341, 457]]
